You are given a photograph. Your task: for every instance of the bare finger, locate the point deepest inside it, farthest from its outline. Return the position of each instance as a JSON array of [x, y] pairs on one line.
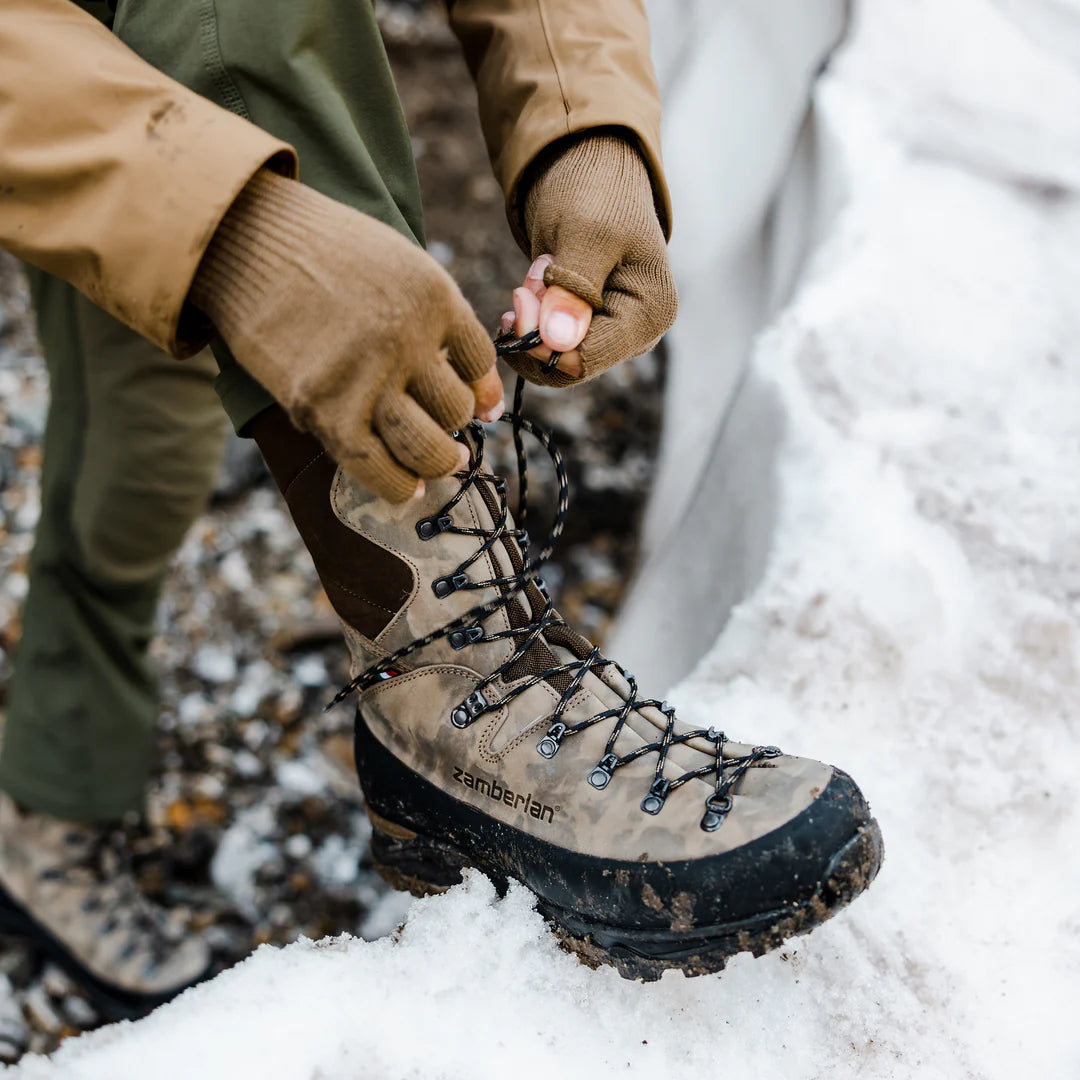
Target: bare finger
[[534, 278], [528, 309], [488, 395], [564, 319]]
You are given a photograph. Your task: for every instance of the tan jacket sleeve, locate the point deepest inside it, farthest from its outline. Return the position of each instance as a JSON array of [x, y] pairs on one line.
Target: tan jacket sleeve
[[113, 176], [545, 69]]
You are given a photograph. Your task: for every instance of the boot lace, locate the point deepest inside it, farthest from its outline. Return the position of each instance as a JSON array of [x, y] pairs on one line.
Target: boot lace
[[469, 628]]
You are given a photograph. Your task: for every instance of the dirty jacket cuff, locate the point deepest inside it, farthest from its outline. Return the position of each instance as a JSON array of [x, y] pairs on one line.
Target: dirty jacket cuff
[[113, 176]]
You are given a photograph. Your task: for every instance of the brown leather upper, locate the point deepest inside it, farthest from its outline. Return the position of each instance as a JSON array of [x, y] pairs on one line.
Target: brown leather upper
[[114, 177], [366, 584]]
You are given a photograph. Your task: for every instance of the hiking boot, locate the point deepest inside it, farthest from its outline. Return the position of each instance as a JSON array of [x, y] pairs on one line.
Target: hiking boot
[[505, 741], [64, 889]]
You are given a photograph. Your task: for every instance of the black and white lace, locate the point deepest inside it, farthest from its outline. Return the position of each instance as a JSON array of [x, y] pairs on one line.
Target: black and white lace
[[469, 629]]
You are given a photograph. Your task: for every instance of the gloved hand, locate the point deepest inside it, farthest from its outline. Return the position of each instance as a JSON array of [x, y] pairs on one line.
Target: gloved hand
[[359, 334], [592, 209]]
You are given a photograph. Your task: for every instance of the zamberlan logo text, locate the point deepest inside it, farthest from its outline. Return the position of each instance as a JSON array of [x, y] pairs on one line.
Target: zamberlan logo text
[[514, 799]]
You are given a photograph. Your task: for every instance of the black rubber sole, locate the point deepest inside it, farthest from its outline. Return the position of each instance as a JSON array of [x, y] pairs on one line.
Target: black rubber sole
[[423, 866], [644, 955], [110, 1001]]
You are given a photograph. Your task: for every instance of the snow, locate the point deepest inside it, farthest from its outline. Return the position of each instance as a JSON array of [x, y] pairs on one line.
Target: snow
[[917, 624]]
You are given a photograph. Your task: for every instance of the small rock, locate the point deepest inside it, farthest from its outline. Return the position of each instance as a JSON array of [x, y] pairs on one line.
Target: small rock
[[17, 585], [193, 709], [40, 1011], [242, 467], [289, 704], [296, 634], [441, 252], [56, 982], [214, 664], [234, 571], [247, 764], [10, 1049], [299, 778], [16, 965], [13, 1033], [337, 862], [298, 846], [180, 816], [79, 1012], [311, 671], [28, 410], [256, 733]]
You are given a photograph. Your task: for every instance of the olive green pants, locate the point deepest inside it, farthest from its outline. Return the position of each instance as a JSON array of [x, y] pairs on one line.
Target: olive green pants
[[134, 437]]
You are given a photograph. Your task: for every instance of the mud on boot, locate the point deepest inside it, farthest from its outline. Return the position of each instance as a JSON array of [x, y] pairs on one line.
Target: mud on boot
[[490, 734]]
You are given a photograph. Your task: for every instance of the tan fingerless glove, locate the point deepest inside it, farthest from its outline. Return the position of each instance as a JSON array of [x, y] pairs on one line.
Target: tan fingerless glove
[[359, 334], [592, 208]]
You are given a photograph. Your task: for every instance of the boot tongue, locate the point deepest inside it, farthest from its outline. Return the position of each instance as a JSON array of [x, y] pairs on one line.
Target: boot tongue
[[527, 607]]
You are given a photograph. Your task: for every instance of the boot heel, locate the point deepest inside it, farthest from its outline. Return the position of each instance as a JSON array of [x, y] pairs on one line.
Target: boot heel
[[411, 862]]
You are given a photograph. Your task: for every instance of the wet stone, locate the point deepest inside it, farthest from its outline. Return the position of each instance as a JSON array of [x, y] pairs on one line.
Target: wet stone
[[41, 1012]]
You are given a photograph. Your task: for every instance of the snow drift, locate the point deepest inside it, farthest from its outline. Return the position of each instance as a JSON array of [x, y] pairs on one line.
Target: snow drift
[[916, 623]]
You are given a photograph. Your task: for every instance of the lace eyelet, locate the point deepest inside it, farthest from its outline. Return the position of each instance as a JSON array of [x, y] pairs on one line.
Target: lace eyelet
[[717, 808], [549, 745], [446, 586], [465, 636], [469, 709], [600, 777], [653, 803], [430, 527]]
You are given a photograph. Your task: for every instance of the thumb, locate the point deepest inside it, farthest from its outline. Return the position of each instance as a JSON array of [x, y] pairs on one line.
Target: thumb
[[564, 319]]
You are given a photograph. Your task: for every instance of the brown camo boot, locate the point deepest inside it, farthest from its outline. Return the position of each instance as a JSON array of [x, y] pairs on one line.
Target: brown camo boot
[[508, 743], [64, 889]]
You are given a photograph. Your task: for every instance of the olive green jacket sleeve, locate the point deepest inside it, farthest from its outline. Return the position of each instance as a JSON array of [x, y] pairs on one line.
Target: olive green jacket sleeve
[[545, 69], [113, 176]]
